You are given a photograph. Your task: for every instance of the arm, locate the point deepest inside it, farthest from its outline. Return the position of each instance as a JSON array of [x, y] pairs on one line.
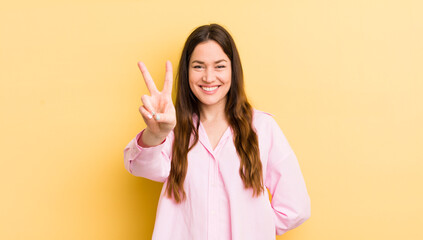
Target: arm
[[290, 200], [148, 154], [149, 162]]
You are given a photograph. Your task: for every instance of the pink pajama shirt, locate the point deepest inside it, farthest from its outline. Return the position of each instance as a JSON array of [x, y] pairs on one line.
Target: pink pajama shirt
[[217, 206]]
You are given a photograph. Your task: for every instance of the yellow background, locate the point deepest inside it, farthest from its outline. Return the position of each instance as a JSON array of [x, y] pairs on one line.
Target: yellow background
[[342, 78]]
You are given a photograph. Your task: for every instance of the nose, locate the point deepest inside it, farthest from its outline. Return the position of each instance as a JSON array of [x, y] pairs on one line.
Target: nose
[[209, 75]]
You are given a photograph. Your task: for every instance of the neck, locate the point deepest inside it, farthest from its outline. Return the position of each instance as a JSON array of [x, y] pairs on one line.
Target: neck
[[213, 113]]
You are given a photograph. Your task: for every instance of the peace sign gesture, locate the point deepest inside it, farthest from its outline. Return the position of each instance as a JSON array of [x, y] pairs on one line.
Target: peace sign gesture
[[157, 110]]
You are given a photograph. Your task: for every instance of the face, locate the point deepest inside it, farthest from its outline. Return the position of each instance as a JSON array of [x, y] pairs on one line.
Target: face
[[210, 74]]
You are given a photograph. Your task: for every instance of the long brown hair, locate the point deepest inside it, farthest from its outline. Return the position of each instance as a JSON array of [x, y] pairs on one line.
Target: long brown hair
[[239, 114]]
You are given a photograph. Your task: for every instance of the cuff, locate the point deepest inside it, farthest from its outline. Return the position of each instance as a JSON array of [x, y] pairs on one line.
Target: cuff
[[143, 146]]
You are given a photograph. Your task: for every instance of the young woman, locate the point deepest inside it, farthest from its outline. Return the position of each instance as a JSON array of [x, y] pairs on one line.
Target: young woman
[[214, 152]]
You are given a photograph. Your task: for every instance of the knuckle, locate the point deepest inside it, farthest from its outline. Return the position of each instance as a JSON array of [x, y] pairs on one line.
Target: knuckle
[[144, 98]]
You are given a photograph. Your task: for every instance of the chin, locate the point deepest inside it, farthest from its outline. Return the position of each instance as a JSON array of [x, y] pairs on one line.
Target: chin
[[212, 102]]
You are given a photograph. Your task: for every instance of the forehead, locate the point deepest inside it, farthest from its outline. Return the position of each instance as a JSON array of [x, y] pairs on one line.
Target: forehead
[[209, 51]]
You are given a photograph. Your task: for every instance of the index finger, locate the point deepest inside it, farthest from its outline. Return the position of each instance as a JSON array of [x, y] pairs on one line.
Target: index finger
[[167, 87], [147, 78]]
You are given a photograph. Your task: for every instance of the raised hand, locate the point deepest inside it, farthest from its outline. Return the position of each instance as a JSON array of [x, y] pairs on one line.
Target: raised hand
[[157, 110]]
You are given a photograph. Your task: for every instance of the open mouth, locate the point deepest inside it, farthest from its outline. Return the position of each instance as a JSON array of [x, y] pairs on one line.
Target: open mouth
[[209, 89]]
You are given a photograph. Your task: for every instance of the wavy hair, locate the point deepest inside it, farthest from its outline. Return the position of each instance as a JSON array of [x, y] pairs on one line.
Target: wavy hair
[[238, 111]]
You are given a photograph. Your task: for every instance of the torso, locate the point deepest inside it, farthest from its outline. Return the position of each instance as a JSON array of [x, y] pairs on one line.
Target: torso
[[214, 131]]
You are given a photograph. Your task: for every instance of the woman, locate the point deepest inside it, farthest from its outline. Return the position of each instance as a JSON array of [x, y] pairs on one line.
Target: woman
[[214, 153]]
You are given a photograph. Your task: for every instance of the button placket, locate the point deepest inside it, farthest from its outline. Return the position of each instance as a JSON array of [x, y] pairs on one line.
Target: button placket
[[212, 198]]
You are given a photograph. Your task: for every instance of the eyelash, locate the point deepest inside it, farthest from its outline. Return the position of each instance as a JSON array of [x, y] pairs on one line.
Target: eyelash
[[220, 66]]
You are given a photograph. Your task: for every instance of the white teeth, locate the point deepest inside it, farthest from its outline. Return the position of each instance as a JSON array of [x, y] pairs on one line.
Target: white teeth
[[209, 89]]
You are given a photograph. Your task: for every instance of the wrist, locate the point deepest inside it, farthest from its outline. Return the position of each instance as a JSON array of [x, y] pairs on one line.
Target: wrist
[[149, 139]]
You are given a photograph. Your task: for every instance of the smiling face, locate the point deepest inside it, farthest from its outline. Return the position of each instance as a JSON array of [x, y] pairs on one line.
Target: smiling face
[[210, 74]]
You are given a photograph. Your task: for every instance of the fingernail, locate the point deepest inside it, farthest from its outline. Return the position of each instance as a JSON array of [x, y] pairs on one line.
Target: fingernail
[[157, 117], [149, 116], [153, 113]]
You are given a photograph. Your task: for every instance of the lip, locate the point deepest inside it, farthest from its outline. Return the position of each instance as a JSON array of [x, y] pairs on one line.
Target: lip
[[208, 91]]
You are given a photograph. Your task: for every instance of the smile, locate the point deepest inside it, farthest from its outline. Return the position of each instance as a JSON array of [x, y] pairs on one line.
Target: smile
[[209, 89]]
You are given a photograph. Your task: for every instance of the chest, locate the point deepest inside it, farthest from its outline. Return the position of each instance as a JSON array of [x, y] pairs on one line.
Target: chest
[[215, 132]]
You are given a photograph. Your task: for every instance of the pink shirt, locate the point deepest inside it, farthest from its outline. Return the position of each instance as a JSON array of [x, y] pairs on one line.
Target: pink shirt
[[217, 204]]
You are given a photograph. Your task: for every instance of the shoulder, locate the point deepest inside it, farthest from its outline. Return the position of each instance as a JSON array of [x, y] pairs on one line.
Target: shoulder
[[260, 118], [264, 123], [268, 131]]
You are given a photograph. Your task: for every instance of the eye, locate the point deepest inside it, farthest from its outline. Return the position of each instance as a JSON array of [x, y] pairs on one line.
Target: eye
[[197, 66], [220, 66]]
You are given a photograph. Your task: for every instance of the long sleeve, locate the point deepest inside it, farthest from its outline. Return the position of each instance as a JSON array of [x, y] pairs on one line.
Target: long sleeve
[[152, 163], [290, 199]]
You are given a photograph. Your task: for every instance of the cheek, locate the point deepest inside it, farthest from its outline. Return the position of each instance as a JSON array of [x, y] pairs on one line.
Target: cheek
[[190, 77], [226, 76], [191, 85], [193, 76]]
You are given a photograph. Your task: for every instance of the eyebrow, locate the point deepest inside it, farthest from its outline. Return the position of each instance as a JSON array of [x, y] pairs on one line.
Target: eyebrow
[[201, 62]]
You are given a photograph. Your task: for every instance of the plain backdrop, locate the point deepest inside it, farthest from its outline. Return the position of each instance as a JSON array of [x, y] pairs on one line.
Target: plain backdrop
[[342, 78]]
